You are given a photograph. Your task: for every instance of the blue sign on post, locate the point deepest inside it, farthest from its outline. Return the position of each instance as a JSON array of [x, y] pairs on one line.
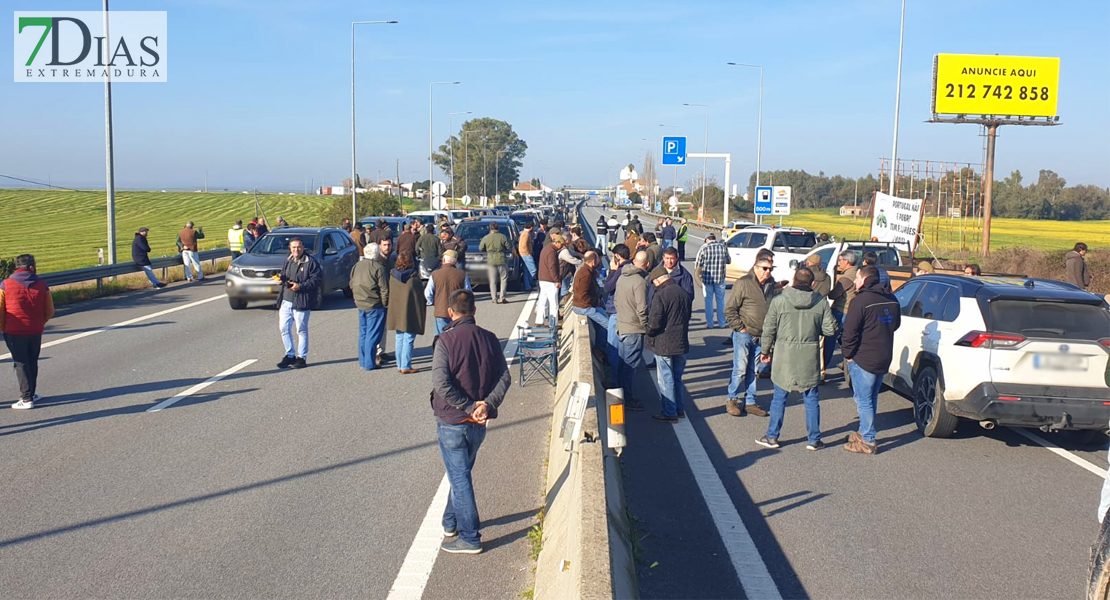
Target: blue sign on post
[[763, 200], [674, 150]]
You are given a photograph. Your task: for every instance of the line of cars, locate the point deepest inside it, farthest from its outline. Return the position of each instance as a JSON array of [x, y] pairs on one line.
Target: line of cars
[[997, 350], [250, 277]]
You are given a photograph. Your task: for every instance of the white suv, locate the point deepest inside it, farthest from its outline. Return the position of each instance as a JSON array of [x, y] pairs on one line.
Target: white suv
[[1003, 351]]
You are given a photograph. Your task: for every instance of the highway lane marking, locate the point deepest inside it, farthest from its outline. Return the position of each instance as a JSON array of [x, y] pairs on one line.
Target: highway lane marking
[[200, 386], [417, 567], [746, 561], [421, 558], [1086, 464], [522, 321], [124, 323]]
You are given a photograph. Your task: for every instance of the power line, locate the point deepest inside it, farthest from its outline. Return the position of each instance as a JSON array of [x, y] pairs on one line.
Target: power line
[[57, 187]]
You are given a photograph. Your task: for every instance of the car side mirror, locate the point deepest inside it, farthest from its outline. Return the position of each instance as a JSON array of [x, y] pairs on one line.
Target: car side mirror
[[330, 251], [793, 263]]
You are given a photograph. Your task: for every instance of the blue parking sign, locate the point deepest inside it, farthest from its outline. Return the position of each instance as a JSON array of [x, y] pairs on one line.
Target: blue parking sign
[[674, 150]]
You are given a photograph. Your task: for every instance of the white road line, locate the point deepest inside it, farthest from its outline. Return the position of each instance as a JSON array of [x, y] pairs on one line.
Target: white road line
[[200, 386], [421, 558], [748, 564], [514, 336], [124, 323], [1086, 464]]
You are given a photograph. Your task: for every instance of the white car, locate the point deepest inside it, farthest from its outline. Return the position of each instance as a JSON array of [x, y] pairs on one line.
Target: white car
[[787, 243], [430, 216], [1003, 351]]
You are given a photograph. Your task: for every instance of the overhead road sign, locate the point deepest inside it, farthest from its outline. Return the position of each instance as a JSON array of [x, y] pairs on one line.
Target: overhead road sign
[[971, 84], [763, 200], [674, 150]]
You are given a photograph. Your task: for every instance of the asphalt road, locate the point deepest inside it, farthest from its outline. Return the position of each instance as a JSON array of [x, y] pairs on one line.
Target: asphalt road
[[265, 484], [981, 515]]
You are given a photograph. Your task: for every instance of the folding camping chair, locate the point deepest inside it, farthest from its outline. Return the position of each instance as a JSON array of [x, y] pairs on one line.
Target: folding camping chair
[[537, 350]]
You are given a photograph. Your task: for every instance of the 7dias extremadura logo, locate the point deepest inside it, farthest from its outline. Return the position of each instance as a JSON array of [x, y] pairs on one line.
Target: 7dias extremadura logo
[[69, 46]]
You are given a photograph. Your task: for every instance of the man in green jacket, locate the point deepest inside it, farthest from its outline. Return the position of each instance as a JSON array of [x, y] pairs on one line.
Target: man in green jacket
[[745, 309], [796, 320], [495, 245], [370, 289]]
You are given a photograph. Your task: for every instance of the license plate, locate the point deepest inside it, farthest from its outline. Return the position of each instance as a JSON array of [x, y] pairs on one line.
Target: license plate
[[264, 289], [1059, 362]]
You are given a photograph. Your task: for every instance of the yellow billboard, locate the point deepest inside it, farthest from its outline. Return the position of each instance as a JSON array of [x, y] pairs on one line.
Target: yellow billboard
[[972, 84]]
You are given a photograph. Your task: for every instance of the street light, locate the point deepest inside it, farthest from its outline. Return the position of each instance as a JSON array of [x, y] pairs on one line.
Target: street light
[[451, 126], [759, 137], [354, 208], [897, 105], [430, 86], [705, 161]]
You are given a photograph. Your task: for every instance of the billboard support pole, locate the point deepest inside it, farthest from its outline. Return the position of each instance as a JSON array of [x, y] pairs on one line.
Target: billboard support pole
[[988, 188]]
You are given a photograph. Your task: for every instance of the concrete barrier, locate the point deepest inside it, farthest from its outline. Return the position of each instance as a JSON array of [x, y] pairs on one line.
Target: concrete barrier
[[587, 549]]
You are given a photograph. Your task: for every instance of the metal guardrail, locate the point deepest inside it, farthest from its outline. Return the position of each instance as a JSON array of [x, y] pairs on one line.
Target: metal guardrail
[[125, 268]]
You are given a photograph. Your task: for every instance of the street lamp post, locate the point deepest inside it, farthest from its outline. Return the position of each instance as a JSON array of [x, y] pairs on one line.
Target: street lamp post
[[759, 135], [497, 175], [705, 161], [675, 185], [354, 208], [451, 126], [898, 104], [430, 86]]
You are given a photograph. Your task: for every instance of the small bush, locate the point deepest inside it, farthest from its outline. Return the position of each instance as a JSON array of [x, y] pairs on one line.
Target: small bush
[[7, 267]]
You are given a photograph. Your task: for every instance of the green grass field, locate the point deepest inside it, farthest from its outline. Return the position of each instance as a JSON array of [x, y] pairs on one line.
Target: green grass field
[[64, 229], [1005, 233]]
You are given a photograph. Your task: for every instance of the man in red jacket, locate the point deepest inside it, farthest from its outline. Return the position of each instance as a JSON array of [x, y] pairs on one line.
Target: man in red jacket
[[25, 307]]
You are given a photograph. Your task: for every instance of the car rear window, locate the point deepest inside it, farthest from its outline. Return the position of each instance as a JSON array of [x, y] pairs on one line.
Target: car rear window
[[474, 231], [278, 243], [795, 240], [1042, 319]]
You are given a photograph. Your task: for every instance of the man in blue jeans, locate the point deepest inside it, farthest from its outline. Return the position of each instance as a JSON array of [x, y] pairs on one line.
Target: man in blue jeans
[[299, 278], [587, 301], [745, 310], [868, 346], [796, 320], [668, 337], [469, 381], [711, 263], [632, 323], [619, 259]]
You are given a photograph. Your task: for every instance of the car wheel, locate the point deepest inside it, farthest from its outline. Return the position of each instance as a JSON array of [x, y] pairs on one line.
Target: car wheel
[[236, 303], [929, 408]]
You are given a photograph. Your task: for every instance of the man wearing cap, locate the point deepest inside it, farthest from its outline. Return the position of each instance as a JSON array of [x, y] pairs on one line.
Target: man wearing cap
[[923, 268], [187, 246], [443, 282], [140, 253], [370, 289], [822, 284]]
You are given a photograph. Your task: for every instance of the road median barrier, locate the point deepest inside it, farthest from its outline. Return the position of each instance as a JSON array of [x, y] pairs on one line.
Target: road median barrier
[[587, 548]]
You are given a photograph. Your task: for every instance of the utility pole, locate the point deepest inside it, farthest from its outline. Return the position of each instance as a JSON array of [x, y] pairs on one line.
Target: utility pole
[[206, 182], [988, 188], [109, 152]]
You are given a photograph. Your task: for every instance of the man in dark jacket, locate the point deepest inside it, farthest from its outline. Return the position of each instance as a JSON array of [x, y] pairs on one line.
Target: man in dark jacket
[[822, 284], [25, 307], [496, 245], [140, 253], [868, 345], [469, 381], [370, 289], [671, 266], [634, 225], [429, 250], [872, 259], [550, 282], [619, 258], [381, 232], [406, 242], [1075, 266], [300, 279], [668, 337], [601, 234], [586, 300], [668, 234], [745, 309]]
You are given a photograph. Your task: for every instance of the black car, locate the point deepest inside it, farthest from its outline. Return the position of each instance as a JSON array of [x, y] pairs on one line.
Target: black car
[[251, 276], [473, 230], [397, 224]]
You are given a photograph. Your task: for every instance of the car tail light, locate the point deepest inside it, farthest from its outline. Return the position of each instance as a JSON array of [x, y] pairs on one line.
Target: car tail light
[[980, 339], [1105, 343]]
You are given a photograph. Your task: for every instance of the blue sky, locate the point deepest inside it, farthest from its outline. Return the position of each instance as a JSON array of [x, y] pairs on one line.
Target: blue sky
[[259, 90]]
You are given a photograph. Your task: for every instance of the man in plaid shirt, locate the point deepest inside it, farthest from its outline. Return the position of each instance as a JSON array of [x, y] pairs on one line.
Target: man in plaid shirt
[[710, 265]]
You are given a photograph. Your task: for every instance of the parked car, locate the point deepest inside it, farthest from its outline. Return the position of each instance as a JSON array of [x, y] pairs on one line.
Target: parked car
[[734, 227], [1003, 351], [397, 224], [251, 276], [459, 215], [786, 242], [521, 217], [889, 254], [430, 217], [473, 230]]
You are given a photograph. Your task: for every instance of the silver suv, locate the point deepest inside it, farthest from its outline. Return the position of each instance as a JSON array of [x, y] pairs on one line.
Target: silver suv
[[251, 276]]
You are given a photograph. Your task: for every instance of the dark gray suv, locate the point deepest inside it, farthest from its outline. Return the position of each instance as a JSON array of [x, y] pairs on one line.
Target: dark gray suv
[[251, 276]]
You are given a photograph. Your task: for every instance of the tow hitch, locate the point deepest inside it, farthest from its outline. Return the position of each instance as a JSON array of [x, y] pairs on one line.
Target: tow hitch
[[1063, 423]]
